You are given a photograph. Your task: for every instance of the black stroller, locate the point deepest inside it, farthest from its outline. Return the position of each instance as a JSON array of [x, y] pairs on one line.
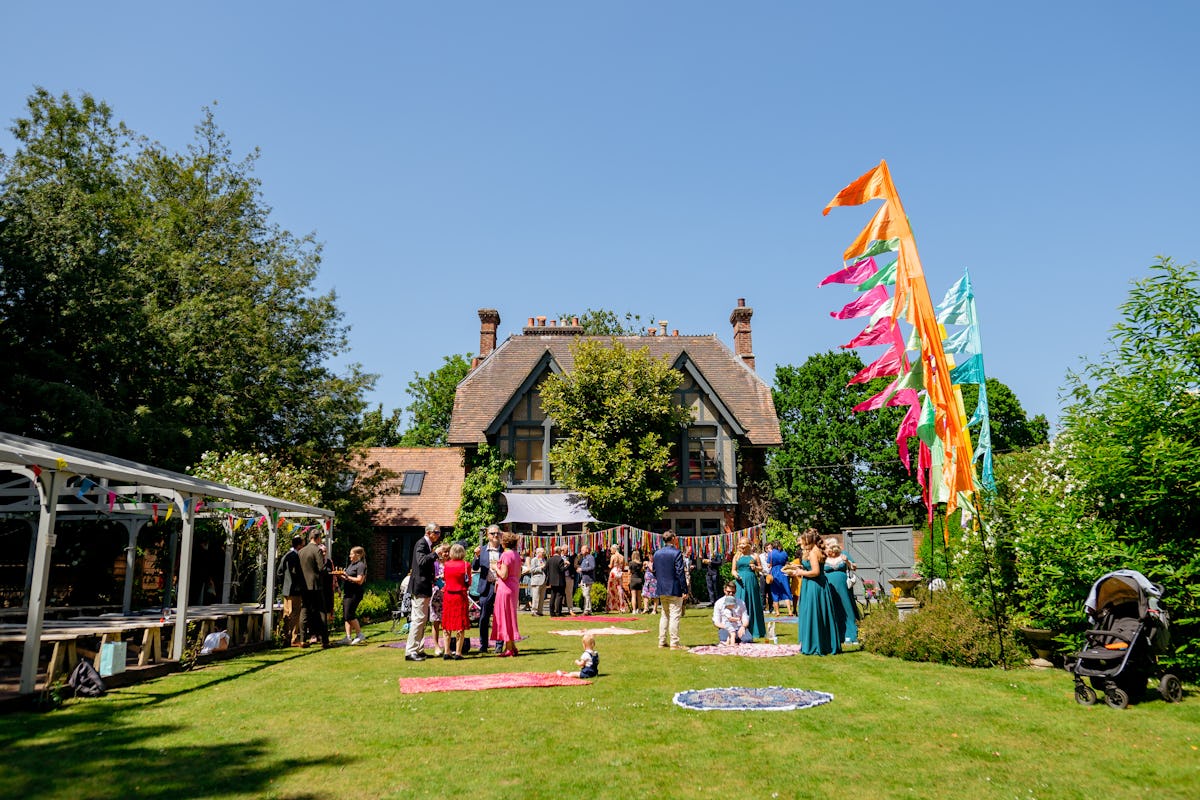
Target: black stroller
[[1130, 630]]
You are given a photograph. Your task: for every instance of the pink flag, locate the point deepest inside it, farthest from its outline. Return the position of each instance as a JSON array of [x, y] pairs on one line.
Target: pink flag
[[878, 401], [907, 429], [881, 333], [856, 273], [863, 305], [890, 363]]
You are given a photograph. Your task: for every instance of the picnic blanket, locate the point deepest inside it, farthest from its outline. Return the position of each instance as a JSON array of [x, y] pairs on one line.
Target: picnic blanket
[[741, 698], [498, 680], [591, 618], [599, 632], [753, 650]]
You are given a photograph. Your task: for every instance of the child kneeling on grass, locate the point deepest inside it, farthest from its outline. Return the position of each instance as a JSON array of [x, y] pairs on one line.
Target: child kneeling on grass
[[589, 662]]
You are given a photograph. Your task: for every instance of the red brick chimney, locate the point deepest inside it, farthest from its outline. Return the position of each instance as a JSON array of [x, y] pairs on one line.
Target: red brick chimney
[[489, 322], [740, 320]]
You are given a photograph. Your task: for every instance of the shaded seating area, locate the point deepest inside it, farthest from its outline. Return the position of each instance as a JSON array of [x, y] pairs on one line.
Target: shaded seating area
[[44, 483]]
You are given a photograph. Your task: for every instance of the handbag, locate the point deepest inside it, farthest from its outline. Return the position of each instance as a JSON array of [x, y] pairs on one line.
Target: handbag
[[851, 579], [770, 578]]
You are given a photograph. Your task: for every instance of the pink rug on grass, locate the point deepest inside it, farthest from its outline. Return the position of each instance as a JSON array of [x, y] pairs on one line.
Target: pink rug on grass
[[747, 650], [499, 680], [599, 632]]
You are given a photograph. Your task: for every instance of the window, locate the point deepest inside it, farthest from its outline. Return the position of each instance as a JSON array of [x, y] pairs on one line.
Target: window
[[413, 481], [703, 457], [528, 452]]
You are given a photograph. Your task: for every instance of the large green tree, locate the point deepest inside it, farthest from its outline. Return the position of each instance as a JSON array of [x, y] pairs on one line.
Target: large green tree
[[618, 422], [837, 468], [433, 402], [150, 308]]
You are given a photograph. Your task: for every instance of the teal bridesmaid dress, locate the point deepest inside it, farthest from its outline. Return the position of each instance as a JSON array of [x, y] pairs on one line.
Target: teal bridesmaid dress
[[815, 620], [747, 592], [844, 607]]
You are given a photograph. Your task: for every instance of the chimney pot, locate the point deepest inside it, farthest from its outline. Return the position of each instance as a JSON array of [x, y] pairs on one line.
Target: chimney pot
[[541, 321], [675, 332], [575, 321], [741, 302], [553, 323], [740, 320]]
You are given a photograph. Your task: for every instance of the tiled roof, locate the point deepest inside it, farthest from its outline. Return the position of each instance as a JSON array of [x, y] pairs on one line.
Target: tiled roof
[[440, 493], [487, 388]]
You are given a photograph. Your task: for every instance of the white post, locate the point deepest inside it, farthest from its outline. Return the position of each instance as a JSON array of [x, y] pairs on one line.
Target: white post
[[269, 608], [33, 528], [41, 577], [227, 578], [134, 526], [179, 641]]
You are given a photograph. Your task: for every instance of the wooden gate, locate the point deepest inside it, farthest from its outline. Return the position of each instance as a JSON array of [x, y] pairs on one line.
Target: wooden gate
[[880, 553]]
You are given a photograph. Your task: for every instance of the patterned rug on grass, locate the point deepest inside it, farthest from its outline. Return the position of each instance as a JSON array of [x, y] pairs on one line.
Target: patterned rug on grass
[[741, 698], [499, 680], [599, 632], [429, 643], [783, 620], [590, 618], [753, 650]]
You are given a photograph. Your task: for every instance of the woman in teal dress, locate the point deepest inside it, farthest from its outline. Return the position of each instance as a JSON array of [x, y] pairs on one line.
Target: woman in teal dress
[[816, 616], [746, 568], [837, 571]]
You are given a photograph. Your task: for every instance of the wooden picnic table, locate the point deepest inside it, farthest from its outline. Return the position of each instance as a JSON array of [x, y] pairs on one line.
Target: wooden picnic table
[[244, 624]]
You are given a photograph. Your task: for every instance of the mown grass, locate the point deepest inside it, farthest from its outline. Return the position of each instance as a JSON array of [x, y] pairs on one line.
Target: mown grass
[[331, 724]]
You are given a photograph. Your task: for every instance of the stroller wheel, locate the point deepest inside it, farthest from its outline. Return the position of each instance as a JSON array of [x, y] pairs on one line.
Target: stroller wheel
[[1116, 697], [1084, 694], [1170, 688]]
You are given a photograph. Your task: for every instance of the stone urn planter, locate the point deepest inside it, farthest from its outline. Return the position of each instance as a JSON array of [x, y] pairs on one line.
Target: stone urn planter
[[906, 604], [1041, 642], [906, 586]]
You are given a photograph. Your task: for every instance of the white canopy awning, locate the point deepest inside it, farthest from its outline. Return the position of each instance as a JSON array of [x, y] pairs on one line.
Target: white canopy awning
[[561, 508]]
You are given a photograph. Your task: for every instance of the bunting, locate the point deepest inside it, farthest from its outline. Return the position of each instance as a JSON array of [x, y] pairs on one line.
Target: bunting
[[945, 460]]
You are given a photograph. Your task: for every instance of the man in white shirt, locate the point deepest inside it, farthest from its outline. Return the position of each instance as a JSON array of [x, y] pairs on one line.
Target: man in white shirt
[[731, 619]]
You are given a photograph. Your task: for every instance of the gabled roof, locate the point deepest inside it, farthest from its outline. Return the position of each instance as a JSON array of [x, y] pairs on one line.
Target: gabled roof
[[487, 389], [441, 491]]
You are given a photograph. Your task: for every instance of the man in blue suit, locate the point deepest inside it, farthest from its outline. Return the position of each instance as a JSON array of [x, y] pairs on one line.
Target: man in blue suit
[[672, 589], [487, 597]]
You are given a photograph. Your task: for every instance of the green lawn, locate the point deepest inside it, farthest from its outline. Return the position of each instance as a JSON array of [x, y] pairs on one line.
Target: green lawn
[[330, 724]]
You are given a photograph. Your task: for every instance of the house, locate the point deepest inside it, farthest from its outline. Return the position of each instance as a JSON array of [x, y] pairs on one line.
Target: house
[[720, 455], [426, 488]]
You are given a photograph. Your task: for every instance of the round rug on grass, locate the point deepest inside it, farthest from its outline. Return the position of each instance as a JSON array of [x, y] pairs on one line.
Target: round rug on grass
[[599, 632], [742, 698], [753, 650]]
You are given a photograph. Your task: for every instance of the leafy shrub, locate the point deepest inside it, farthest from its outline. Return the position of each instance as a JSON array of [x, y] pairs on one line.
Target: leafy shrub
[[379, 599], [947, 630], [599, 597]]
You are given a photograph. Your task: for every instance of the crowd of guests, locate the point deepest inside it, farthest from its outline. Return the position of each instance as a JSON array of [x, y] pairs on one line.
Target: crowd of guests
[[445, 587]]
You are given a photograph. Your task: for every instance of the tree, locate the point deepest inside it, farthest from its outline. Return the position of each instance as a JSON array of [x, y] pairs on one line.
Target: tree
[[433, 402], [376, 430], [837, 468], [1012, 429], [1133, 430], [618, 422], [148, 306], [482, 487], [603, 322]]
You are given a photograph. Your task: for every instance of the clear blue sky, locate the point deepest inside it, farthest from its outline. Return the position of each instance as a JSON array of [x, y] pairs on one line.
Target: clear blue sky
[[668, 158]]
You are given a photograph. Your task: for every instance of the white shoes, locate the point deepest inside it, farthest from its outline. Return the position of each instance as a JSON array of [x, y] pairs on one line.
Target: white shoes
[[344, 640], [359, 640]]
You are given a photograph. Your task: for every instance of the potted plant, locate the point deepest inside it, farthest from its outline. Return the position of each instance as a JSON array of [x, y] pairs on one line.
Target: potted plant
[[906, 582]]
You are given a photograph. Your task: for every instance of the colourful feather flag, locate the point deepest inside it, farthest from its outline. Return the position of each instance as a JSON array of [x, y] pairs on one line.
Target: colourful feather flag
[[945, 459], [958, 308]]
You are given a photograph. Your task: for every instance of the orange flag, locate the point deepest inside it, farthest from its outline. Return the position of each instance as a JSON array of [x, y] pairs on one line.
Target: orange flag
[[890, 222]]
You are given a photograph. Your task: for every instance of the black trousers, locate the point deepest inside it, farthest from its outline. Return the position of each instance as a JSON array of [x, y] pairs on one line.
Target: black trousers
[[312, 615], [487, 602], [557, 595]]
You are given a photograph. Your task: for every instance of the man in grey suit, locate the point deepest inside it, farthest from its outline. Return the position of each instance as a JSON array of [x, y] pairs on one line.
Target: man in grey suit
[[291, 588], [672, 589], [312, 616]]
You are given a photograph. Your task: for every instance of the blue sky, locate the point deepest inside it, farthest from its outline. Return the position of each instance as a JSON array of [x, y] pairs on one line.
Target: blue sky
[[668, 158]]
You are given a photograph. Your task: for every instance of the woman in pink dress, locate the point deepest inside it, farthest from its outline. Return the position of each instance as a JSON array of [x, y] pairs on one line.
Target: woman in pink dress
[[508, 582]]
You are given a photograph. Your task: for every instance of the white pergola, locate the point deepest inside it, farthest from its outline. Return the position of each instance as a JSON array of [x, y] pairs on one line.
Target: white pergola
[[44, 482]]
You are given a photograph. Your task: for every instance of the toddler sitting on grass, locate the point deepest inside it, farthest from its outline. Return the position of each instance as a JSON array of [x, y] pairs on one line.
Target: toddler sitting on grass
[[589, 662]]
